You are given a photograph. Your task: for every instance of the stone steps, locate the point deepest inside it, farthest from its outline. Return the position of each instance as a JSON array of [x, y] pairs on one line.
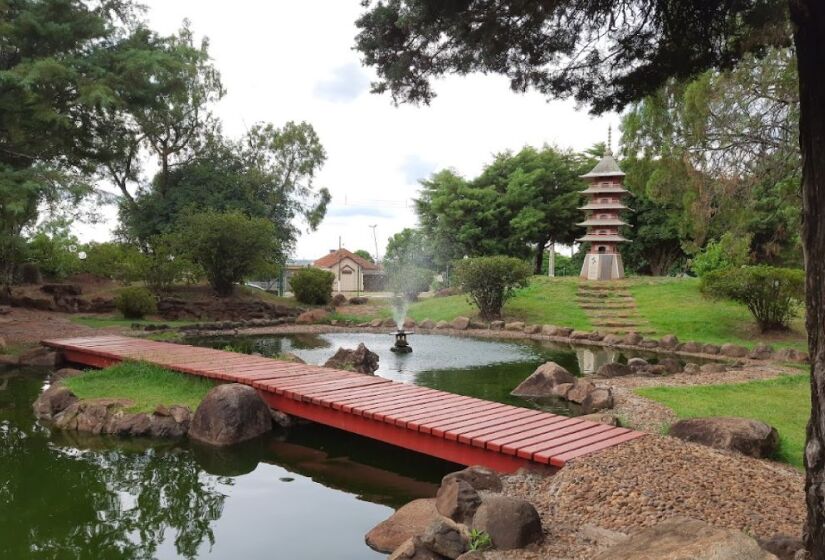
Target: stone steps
[[611, 309]]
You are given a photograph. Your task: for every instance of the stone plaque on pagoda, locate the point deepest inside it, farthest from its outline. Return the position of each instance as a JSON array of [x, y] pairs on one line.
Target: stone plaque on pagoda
[[605, 194]]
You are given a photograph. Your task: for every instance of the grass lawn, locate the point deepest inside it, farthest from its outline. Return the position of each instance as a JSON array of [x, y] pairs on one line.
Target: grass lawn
[[784, 403], [147, 386], [675, 305], [119, 321]]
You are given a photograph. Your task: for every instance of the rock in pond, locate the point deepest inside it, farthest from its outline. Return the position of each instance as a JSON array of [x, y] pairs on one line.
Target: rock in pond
[[360, 360], [600, 398], [614, 369], [230, 413], [749, 437], [53, 401], [510, 522], [479, 477], [541, 382], [414, 549], [408, 521], [458, 500], [446, 537], [580, 390], [686, 539]]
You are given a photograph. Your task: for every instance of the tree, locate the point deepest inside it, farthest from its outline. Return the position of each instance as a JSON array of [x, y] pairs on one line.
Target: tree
[[409, 246], [228, 246], [268, 174], [364, 254], [490, 281], [609, 54]]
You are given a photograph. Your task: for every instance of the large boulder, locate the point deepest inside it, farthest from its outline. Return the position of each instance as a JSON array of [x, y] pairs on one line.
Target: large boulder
[[446, 537], [743, 435], [410, 520], [53, 401], [40, 357], [477, 476], [686, 539], [600, 398], [458, 500], [229, 414], [614, 369], [312, 316], [460, 323], [580, 390], [414, 549], [541, 382], [510, 522], [783, 547], [734, 350], [427, 324], [360, 360]]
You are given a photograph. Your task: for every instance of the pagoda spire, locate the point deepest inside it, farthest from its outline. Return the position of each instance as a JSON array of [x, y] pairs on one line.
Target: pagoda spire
[[608, 149]]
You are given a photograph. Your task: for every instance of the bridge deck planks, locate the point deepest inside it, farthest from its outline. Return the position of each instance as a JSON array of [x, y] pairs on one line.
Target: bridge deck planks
[[453, 427]]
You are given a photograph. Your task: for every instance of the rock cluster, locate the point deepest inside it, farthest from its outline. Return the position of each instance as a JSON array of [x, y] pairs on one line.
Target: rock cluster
[[742, 435], [107, 416], [223, 309], [552, 380], [441, 528], [360, 360], [58, 297]]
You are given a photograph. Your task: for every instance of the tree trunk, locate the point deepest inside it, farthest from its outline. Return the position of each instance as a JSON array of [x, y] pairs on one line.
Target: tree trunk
[[538, 258], [808, 18]]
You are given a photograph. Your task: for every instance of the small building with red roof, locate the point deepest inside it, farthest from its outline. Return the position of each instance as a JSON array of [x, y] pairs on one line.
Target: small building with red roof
[[353, 273]]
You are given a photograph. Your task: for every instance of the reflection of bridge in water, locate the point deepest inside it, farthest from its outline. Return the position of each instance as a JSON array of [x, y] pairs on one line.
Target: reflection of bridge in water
[[460, 429]]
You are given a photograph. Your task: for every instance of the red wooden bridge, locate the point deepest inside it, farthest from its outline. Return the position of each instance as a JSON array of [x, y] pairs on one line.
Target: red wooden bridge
[[461, 429]]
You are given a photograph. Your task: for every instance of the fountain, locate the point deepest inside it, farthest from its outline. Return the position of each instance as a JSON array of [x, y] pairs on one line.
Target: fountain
[[401, 345]]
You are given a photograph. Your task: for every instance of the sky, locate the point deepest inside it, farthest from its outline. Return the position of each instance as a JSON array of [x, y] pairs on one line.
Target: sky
[[283, 61]]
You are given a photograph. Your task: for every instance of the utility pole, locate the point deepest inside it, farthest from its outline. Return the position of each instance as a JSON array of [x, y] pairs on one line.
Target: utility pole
[[551, 258], [375, 239]]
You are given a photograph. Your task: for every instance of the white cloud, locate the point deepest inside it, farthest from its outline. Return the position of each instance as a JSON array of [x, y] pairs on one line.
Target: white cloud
[[294, 61]]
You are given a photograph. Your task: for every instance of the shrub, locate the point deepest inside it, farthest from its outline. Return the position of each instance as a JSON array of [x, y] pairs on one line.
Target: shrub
[[490, 281], [55, 253], [228, 246], [729, 251], [30, 273], [165, 265], [135, 302], [111, 260], [772, 295], [312, 286]]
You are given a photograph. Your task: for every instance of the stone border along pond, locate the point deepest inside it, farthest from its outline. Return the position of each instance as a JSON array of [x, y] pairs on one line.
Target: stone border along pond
[[463, 326]]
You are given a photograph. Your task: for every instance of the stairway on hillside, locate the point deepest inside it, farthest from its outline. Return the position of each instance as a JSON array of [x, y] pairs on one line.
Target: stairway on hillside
[[611, 308]]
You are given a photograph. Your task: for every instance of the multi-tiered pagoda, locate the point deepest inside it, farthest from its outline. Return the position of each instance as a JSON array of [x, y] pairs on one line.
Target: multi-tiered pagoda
[[605, 193]]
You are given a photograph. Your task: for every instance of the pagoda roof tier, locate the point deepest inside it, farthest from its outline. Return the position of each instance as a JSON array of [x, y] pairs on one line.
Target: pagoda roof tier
[[603, 222], [610, 189], [607, 167], [604, 206], [595, 238]]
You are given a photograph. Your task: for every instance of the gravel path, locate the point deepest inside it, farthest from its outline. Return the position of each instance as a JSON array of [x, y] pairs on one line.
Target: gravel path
[[27, 327], [645, 481]]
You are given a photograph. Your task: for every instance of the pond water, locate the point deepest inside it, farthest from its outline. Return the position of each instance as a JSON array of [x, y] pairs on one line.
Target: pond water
[[310, 492], [484, 368]]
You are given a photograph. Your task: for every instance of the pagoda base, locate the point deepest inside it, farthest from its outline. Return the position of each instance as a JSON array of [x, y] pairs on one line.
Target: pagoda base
[[602, 266]]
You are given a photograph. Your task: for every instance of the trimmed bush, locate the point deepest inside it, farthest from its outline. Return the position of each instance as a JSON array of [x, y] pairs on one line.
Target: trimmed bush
[[228, 246], [772, 295], [135, 302], [491, 281], [312, 286], [729, 251]]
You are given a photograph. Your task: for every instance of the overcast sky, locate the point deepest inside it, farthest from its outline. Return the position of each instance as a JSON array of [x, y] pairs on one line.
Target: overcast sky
[[284, 61]]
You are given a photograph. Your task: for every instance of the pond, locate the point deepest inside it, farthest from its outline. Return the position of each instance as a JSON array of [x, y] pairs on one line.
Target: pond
[[309, 492], [312, 492], [484, 368]]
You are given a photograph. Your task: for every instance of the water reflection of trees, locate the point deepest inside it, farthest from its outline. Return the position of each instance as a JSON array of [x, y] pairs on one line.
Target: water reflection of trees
[[61, 502]]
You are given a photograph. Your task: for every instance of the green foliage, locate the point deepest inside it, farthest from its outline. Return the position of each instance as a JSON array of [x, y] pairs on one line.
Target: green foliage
[[480, 540], [411, 247], [312, 286], [228, 247], [146, 386], [490, 281], [775, 401], [165, 265], [729, 251], [268, 173], [772, 295], [135, 302], [116, 261], [519, 203], [364, 254], [54, 250]]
